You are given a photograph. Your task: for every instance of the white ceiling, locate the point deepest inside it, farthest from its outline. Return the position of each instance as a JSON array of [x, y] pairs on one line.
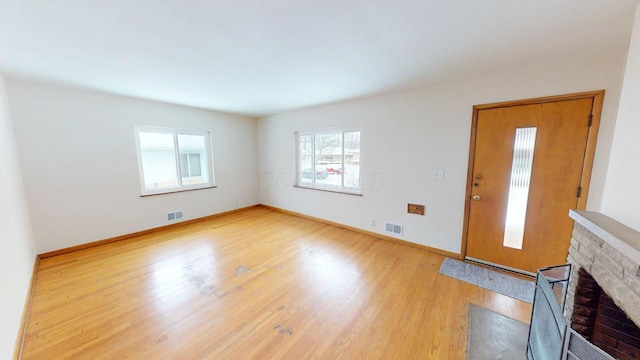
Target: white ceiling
[[259, 57]]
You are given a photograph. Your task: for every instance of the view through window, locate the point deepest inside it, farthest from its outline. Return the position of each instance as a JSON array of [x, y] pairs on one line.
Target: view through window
[[329, 160]]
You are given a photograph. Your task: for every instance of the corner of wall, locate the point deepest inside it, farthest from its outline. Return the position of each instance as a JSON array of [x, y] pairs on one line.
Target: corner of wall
[[17, 249], [622, 176]]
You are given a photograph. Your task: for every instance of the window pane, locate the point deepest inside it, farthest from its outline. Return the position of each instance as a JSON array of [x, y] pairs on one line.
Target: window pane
[[329, 161], [524, 145], [305, 148], [194, 165], [158, 161], [328, 156], [192, 146], [184, 165], [351, 171]]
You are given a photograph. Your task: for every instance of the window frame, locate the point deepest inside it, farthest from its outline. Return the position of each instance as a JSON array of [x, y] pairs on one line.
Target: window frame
[[326, 187], [175, 132]]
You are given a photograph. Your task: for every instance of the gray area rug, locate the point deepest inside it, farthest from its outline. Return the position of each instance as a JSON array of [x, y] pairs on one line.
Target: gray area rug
[[489, 279], [493, 336]]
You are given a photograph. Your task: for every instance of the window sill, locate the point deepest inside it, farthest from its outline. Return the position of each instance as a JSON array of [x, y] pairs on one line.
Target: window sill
[[329, 190], [177, 191]]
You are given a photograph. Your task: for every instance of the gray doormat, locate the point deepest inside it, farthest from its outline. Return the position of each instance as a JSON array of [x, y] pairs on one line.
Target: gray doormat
[[493, 336], [489, 279]]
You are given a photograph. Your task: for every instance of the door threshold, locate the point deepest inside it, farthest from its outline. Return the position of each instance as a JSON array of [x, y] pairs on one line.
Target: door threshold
[[500, 267]]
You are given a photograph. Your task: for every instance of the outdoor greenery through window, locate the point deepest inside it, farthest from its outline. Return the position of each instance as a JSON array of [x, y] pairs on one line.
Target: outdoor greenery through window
[[329, 160], [173, 160]]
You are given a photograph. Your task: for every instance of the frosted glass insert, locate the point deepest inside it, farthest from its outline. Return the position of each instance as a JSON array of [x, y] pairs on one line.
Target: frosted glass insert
[[523, 148]]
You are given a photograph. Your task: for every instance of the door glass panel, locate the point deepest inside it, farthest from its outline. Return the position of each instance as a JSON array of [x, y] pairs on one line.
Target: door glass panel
[[523, 149]]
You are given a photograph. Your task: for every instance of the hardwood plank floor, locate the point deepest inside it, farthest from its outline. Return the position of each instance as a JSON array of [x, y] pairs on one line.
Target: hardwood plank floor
[[256, 284]]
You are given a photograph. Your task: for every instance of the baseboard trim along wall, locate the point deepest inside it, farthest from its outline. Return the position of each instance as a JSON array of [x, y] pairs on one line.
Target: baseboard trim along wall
[[138, 233], [149, 231], [26, 311], [369, 233]]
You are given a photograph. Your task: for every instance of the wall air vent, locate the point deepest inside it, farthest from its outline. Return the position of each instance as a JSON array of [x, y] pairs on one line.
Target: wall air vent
[[174, 215], [391, 228]]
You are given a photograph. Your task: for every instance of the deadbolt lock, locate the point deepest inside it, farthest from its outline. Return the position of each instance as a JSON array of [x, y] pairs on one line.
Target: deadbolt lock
[[478, 177]]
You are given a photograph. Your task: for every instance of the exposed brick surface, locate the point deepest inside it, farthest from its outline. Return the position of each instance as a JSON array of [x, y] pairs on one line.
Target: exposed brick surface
[[620, 355], [600, 321], [583, 310], [616, 334], [606, 300], [630, 328], [585, 305], [581, 329], [603, 341], [612, 323], [629, 350], [612, 312]]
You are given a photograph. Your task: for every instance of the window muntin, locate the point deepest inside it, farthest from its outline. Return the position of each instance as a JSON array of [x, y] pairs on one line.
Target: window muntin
[[173, 160], [329, 160]]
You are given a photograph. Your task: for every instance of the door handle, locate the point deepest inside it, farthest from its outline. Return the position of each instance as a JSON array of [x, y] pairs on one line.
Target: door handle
[[476, 197]]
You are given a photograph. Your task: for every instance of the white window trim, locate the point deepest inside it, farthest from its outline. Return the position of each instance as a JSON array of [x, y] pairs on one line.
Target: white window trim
[[175, 132], [326, 187]]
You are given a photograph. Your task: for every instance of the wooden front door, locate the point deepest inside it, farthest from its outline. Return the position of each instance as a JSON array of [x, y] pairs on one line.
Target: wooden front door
[[528, 167]]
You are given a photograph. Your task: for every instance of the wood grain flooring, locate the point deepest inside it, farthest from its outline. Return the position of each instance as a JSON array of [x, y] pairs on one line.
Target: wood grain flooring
[[256, 284]]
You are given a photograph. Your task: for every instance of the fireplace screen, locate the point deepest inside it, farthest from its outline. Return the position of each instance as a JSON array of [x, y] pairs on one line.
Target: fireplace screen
[[548, 327], [549, 336], [578, 348]]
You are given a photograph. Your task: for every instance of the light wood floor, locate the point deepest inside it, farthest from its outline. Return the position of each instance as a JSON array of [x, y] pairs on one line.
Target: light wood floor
[[256, 284]]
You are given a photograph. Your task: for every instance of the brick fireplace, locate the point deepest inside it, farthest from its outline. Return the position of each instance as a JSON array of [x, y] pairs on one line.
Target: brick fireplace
[[603, 297]]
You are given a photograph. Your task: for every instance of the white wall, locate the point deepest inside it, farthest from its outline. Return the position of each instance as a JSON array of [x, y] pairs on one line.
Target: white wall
[[410, 134], [78, 155], [17, 252], [622, 197]]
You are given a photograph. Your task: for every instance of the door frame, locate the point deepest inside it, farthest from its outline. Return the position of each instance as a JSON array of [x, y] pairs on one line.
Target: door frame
[[587, 167]]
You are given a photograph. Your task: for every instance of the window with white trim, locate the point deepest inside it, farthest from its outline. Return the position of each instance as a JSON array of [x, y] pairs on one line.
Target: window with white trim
[[173, 160], [329, 160]]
